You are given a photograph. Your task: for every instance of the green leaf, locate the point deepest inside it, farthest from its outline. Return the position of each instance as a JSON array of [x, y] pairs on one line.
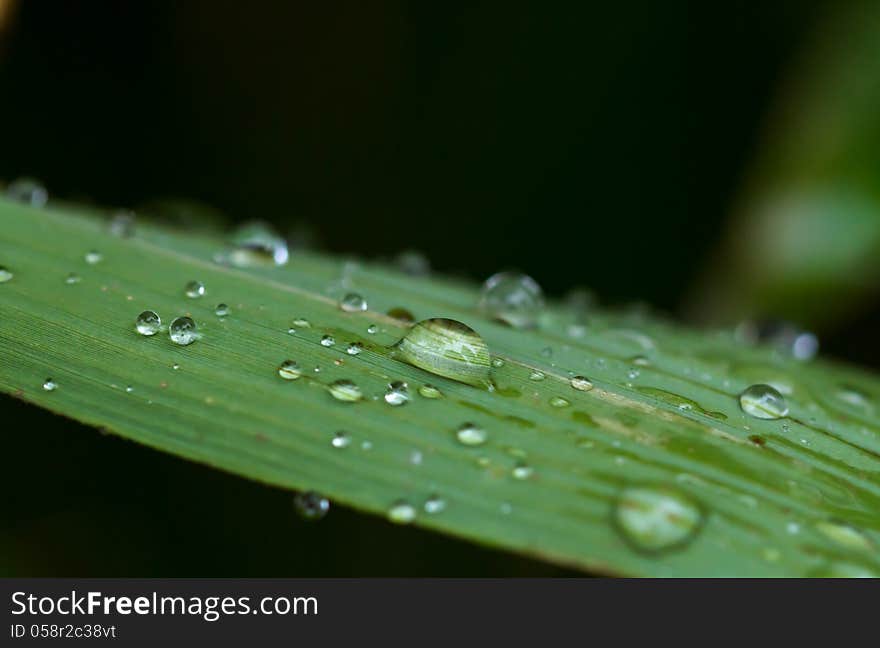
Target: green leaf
[[654, 471]]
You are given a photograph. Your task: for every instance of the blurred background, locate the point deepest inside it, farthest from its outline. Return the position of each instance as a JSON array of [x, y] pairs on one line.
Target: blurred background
[[716, 161]]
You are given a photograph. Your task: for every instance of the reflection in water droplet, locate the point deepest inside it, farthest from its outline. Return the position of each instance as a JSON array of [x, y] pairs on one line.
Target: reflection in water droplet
[[222, 310], [194, 289], [397, 394], [581, 384], [513, 298], [447, 348], [429, 391], [289, 370], [763, 402], [183, 331], [5, 274], [401, 512], [471, 435], [345, 391], [340, 440], [353, 303], [148, 323], [310, 505], [50, 385], [656, 519]]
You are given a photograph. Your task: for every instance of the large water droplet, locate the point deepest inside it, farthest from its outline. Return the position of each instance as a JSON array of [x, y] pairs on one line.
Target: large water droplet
[[345, 391], [72, 278], [50, 385], [257, 244], [656, 519], [5, 274], [763, 402], [353, 303], [310, 505], [183, 331], [401, 512], [470, 434], [513, 298], [447, 348], [194, 289], [28, 191], [581, 384], [289, 370], [397, 394], [148, 323]]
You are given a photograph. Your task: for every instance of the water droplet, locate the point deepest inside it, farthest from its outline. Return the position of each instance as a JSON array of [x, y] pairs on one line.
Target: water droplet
[[122, 223], [346, 391], [429, 391], [302, 323], [401, 512], [763, 402], [558, 401], [785, 337], [640, 361], [537, 376], [656, 519], [28, 191], [194, 289], [397, 394], [471, 435], [72, 278], [354, 348], [446, 348], [353, 303], [291, 331], [5, 274], [221, 310], [341, 440], [581, 384], [328, 341], [513, 298], [289, 370], [413, 263], [183, 331], [845, 535], [522, 471], [257, 244], [50, 385], [93, 257], [129, 389], [372, 328], [434, 504], [497, 362], [310, 505], [175, 366]]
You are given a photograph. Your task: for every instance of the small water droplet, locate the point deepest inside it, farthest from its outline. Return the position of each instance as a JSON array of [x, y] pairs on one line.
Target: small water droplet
[[353, 303], [93, 257], [291, 331], [175, 366], [581, 384], [183, 331], [28, 191], [471, 435], [221, 310], [513, 298], [497, 362], [372, 328], [341, 440], [640, 361], [5, 274], [434, 504], [194, 289], [558, 401], [413, 263], [401, 512], [148, 323], [522, 471], [429, 391], [345, 391], [537, 376], [354, 348], [656, 519], [763, 402], [289, 370], [446, 348], [309, 505], [50, 385], [122, 223], [257, 244], [328, 341], [129, 389], [72, 278], [397, 394]]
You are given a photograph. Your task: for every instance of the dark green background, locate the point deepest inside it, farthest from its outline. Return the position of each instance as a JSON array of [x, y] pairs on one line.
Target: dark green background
[[597, 144]]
